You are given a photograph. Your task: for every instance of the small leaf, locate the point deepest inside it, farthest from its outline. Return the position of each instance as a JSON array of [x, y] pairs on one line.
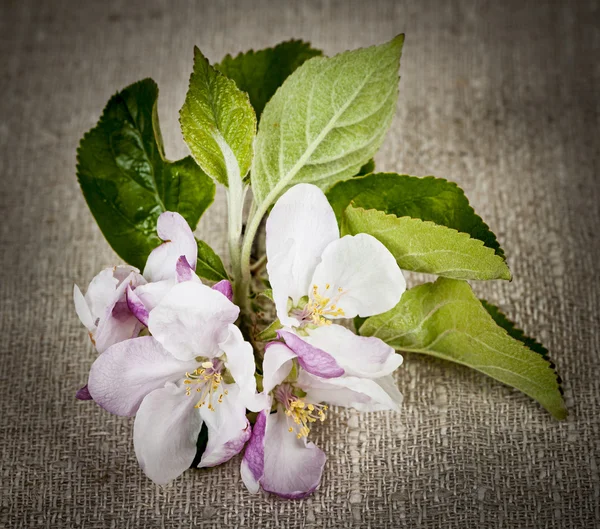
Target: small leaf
[[427, 198], [126, 179], [209, 264], [446, 320], [366, 169], [270, 332], [261, 73], [422, 246], [267, 293], [326, 121], [218, 123]]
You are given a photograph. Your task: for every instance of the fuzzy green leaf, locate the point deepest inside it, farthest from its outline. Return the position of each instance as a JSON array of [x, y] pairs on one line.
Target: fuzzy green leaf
[[428, 198], [126, 179], [217, 122], [261, 73], [445, 319], [327, 120], [209, 264], [422, 246]]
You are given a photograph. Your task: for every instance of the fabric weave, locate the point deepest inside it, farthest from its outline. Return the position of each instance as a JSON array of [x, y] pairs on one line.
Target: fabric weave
[[501, 97]]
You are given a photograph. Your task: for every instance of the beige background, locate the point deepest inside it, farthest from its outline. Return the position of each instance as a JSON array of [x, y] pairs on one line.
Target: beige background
[[501, 97]]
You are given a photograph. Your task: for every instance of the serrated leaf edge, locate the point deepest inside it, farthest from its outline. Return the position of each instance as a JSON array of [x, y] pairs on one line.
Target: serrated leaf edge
[[461, 234]]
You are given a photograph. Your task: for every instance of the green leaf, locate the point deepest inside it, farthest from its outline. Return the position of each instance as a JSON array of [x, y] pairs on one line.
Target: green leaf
[[327, 120], [423, 246], [366, 169], [428, 198], [358, 322], [217, 122], [445, 319], [126, 179], [514, 331], [261, 73], [209, 264], [270, 332]]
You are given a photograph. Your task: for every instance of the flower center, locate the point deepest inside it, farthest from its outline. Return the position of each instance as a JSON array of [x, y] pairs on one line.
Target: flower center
[[204, 383], [302, 414], [319, 308]]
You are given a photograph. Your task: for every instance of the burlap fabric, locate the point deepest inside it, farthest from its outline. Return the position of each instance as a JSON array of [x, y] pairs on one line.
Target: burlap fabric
[[501, 97]]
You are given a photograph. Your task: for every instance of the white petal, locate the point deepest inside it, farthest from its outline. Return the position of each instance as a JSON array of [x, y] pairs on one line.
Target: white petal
[[83, 310], [240, 363], [360, 276], [277, 365], [126, 372], [191, 320], [179, 240], [100, 292], [151, 294], [165, 433], [363, 394], [292, 467], [300, 226], [361, 356], [228, 428]]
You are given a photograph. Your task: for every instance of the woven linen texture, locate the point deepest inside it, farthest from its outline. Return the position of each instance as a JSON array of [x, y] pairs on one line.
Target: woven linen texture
[[501, 97]]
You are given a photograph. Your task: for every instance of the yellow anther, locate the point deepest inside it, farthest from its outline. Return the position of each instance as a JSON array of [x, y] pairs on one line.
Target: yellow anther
[[304, 414], [207, 382], [321, 308]]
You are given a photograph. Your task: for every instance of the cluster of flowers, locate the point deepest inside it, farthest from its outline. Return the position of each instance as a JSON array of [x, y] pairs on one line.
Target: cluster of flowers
[[172, 355]]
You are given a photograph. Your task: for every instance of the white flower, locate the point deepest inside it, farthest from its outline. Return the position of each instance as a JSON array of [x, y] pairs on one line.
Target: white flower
[[318, 278], [118, 300], [195, 368], [299, 379]]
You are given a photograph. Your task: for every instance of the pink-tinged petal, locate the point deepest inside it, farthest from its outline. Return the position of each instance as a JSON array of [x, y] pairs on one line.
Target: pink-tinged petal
[[191, 320], [179, 240], [299, 227], [363, 394], [359, 275], [240, 363], [184, 271], [128, 371], [311, 358], [165, 432], [253, 464], [136, 306], [225, 288], [118, 323], [83, 310], [83, 394], [277, 365], [292, 467], [361, 356], [228, 428]]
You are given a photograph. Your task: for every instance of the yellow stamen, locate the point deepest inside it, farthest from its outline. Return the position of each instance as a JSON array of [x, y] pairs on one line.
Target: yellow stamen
[[304, 415], [321, 308], [207, 383]]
